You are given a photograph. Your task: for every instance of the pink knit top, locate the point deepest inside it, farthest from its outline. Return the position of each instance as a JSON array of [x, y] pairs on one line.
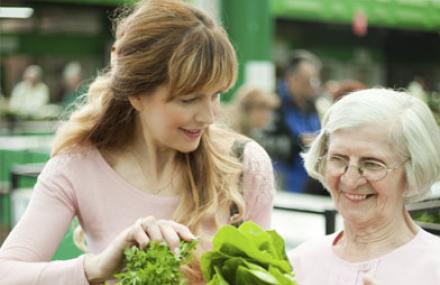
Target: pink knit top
[[83, 184], [416, 262]]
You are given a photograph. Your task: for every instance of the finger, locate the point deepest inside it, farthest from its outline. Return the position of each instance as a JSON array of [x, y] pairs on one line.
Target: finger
[[182, 231], [170, 236], [144, 222], [139, 236], [154, 232]]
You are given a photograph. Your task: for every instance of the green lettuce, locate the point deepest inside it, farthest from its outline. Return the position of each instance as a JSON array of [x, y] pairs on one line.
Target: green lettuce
[[247, 255], [155, 265]]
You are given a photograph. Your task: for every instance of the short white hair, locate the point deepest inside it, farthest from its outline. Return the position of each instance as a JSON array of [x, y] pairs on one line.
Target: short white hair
[[412, 129]]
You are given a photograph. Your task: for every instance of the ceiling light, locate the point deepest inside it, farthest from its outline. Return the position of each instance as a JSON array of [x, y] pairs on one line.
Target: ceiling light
[[16, 12]]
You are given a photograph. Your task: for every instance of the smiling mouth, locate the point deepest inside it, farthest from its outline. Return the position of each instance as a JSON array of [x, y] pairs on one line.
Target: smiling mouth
[[357, 197], [192, 133]]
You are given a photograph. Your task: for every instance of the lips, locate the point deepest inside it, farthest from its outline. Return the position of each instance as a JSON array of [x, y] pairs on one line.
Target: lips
[[192, 134], [357, 197]]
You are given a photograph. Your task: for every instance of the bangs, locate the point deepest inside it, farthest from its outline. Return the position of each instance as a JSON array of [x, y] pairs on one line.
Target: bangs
[[204, 60]]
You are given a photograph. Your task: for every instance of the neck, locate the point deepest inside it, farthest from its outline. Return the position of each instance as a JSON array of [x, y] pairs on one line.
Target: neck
[[360, 243], [156, 161]]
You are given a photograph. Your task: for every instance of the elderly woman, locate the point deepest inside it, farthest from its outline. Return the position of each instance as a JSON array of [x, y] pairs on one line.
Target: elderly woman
[[378, 150]]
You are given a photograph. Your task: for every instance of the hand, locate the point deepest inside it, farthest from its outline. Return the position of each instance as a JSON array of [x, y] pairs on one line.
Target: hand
[[104, 265], [370, 281]]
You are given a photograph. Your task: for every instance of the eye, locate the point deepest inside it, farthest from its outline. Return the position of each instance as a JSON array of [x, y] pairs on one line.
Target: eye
[[337, 160], [372, 165], [188, 100]]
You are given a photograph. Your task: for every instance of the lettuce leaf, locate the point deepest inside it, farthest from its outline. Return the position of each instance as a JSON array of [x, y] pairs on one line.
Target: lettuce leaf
[[247, 255]]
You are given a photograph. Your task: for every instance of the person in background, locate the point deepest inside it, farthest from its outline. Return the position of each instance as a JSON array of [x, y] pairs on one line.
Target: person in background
[[251, 110], [346, 87], [377, 151], [142, 159], [30, 94], [72, 79], [296, 121], [418, 88]]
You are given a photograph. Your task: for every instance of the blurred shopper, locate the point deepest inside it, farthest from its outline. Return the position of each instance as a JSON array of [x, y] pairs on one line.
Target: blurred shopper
[[252, 110], [142, 160], [296, 122], [30, 94], [377, 151], [346, 87], [418, 88], [72, 80]]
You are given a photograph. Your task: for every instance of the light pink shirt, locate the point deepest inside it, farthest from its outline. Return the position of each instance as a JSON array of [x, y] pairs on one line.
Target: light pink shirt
[[414, 263], [83, 184]]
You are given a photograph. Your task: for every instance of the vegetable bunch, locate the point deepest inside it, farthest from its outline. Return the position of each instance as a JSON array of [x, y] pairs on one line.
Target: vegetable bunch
[[155, 265], [247, 255]]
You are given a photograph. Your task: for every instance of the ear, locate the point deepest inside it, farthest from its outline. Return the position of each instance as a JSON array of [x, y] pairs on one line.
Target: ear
[[136, 102]]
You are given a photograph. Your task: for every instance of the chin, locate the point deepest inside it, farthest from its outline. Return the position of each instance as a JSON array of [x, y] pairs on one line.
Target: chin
[[188, 149]]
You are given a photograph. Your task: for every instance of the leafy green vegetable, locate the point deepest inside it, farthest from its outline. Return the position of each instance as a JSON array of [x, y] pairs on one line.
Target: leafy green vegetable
[[155, 265], [247, 255]]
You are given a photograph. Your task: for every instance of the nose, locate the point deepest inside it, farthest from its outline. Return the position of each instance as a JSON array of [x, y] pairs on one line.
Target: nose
[[206, 113], [352, 177]]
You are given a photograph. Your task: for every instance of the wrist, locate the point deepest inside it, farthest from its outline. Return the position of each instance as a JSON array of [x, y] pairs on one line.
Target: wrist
[[91, 269]]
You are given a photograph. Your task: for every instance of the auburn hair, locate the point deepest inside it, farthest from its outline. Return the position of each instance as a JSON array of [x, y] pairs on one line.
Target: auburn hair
[[164, 42]]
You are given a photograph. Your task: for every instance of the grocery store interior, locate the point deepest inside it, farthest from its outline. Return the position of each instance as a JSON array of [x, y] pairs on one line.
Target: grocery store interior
[[67, 43]]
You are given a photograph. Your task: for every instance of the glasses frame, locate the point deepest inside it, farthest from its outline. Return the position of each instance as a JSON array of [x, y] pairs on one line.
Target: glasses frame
[[360, 169]]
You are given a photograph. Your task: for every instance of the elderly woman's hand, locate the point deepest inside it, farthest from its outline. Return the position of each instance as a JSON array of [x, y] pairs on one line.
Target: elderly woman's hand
[[102, 266], [370, 281]]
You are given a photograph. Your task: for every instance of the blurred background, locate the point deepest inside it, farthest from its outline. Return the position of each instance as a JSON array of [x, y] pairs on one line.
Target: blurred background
[[50, 50]]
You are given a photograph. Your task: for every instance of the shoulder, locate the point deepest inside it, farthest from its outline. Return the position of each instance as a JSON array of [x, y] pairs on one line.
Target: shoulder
[[428, 244], [256, 159], [312, 249], [63, 162], [254, 156]]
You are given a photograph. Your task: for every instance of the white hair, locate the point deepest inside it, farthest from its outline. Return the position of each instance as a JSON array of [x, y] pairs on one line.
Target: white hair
[[412, 131]]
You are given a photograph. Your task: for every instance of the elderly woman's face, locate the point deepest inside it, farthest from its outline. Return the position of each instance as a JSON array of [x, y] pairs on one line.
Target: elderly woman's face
[[360, 200]]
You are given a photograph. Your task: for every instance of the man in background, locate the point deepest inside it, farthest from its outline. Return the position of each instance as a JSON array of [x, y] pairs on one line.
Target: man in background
[[296, 122]]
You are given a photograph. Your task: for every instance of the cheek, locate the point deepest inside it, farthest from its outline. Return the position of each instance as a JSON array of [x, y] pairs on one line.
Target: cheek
[[332, 182], [172, 118]]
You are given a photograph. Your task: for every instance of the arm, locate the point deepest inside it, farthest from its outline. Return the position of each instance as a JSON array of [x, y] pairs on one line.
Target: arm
[[258, 185], [25, 255]]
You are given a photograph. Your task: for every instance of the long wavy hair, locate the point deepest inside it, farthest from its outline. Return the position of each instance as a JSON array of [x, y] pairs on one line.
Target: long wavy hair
[[164, 42]]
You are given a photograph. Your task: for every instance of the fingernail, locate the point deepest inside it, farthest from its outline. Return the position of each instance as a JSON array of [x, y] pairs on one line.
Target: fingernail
[[176, 251]]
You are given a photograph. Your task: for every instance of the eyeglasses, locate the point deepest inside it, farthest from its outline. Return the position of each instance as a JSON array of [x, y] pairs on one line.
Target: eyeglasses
[[371, 170]]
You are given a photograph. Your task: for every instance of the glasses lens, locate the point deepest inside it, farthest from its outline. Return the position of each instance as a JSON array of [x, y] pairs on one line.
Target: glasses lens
[[336, 165], [373, 171]]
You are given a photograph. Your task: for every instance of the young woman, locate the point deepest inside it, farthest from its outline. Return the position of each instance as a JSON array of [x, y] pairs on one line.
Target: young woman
[[141, 159]]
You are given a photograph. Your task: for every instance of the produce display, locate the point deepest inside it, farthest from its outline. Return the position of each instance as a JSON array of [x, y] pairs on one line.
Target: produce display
[[247, 255]]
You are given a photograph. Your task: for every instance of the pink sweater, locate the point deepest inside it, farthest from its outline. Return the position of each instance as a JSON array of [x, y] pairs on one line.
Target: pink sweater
[[83, 184], [414, 263]]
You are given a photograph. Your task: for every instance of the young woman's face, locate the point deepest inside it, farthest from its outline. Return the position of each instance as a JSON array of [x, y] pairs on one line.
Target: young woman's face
[[178, 123], [359, 200]]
